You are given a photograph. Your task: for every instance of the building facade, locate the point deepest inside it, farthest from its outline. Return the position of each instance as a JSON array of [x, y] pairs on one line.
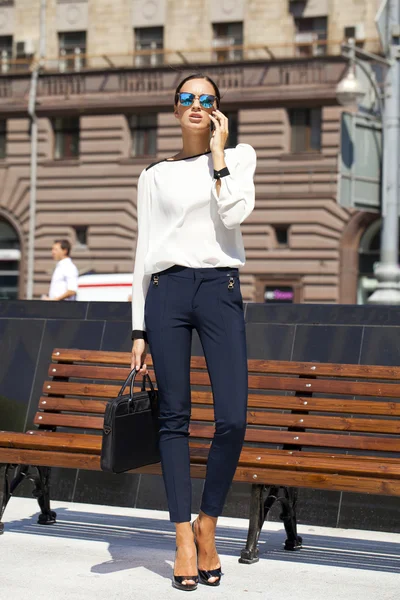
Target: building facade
[[104, 103]]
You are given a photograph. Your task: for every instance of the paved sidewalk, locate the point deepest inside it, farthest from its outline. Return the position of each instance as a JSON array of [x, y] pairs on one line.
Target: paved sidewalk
[[108, 553]]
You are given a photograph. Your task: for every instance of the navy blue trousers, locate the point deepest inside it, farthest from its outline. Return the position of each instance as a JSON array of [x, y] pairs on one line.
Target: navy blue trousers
[[209, 300]]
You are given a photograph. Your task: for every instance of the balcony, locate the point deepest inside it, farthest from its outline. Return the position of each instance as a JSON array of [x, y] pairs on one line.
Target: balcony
[[264, 76], [225, 50], [251, 84]]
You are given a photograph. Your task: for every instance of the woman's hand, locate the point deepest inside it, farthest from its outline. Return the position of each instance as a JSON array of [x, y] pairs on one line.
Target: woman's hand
[[139, 352], [220, 133]]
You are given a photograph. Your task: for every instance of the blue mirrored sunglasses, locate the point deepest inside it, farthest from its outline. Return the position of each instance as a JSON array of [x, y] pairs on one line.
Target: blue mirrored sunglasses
[[206, 100]]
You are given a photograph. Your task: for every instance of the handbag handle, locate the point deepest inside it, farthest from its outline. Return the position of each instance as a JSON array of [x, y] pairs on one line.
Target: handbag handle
[[130, 380]]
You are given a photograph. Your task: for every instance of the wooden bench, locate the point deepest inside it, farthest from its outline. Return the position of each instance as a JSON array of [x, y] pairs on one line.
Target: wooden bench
[[312, 425]]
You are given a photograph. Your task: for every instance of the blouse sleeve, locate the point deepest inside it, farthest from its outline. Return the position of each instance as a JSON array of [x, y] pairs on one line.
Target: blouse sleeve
[[237, 195], [141, 280]]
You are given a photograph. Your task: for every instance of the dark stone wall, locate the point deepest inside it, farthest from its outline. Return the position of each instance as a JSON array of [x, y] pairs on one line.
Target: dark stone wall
[[29, 330]]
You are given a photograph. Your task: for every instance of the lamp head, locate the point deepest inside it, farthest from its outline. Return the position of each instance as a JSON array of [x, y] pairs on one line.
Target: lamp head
[[349, 90]]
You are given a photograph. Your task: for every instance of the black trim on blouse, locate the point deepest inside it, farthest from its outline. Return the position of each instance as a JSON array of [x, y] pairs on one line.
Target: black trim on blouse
[[137, 334], [176, 159]]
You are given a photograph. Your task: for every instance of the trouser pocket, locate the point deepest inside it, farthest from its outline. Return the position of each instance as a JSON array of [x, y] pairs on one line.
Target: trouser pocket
[[156, 299]]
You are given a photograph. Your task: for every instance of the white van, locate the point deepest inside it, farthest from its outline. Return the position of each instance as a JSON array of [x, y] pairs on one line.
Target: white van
[[108, 287]]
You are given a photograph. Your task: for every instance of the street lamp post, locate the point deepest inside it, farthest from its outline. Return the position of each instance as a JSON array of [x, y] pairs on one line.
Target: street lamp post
[[349, 90], [34, 151]]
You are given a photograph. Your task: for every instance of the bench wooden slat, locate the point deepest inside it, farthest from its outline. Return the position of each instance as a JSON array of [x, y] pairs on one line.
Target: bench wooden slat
[[48, 403], [249, 456], [253, 457], [94, 390], [253, 417], [255, 365], [324, 386], [53, 440], [89, 372], [297, 403], [321, 422], [324, 369], [291, 478], [304, 403], [322, 440], [92, 371], [331, 481], [307, 403], [70, 355], [72, 438], [64, 420]]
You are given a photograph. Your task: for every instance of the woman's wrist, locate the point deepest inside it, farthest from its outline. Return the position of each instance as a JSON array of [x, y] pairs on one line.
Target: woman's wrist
[[218, 160]]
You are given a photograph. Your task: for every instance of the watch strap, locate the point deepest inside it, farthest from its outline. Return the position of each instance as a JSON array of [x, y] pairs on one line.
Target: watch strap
[[221, 173]]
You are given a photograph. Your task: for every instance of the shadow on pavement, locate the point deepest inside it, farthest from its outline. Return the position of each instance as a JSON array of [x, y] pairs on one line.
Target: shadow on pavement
[[138, 542]]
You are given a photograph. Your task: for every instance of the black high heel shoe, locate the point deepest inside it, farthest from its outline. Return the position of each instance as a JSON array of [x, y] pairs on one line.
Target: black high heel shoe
[[177, 582], [205, 576]]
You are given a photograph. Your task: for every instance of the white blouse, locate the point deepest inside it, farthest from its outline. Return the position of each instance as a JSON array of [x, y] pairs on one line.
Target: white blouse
[[183, 221]]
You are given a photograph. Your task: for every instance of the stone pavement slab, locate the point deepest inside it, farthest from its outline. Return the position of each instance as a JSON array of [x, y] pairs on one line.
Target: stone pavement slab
[[108, 553]]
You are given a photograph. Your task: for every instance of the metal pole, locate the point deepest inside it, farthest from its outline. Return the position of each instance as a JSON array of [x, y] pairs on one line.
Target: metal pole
[[34, 147], [387, 271]]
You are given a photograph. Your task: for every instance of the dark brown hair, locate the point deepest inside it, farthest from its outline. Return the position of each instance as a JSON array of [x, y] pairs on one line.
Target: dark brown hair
[[198, 76], [64, 245]]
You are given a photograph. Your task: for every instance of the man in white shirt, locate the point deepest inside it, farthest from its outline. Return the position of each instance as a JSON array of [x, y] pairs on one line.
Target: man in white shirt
[[64, 282]]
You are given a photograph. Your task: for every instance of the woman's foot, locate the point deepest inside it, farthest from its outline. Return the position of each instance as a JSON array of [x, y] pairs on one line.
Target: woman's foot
[[207, 556], [185, 568]]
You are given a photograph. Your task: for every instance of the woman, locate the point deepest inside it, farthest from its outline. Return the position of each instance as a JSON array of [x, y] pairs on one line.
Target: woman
[[189, 248]]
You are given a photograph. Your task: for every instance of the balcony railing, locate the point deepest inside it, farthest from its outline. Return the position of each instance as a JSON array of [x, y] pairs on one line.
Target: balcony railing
[[76, 61]]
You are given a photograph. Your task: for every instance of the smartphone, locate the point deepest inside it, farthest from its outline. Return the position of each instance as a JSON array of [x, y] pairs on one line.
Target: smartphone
[[212, 126]]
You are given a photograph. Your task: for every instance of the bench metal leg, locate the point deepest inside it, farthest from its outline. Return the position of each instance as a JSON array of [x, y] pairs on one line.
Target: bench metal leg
[[5, 493], [249, 554], [288, 516], [21, 472], [42, 494], [259, 509], [40, 476]]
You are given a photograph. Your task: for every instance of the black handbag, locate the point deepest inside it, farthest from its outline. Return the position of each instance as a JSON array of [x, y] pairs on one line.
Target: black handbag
[[130, 431]]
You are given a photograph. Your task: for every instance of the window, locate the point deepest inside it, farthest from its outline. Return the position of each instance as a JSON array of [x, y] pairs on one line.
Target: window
[[233, 129], [144, 134], [66, 132], [281, 233], [10, 257], [8, 236], [24, 51], [81, 232], [311, 35], [6, 52], [225, 37], [356, 33], [149, 40], [306, 129], [72, 50], [3, 138]]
